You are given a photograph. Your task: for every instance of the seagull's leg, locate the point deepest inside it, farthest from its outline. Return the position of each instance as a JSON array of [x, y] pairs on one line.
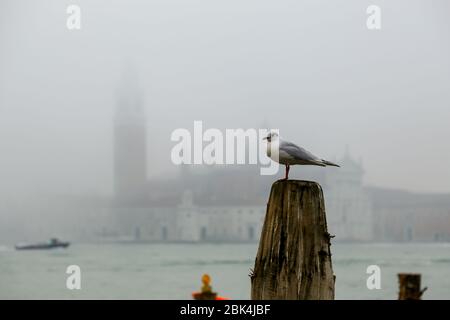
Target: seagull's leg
[[287, 172]]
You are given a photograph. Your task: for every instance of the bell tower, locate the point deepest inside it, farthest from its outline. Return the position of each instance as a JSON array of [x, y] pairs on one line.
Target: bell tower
[[130, 143]]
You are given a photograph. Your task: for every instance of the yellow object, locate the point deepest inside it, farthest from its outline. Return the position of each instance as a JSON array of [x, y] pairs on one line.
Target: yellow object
[[206, 279]]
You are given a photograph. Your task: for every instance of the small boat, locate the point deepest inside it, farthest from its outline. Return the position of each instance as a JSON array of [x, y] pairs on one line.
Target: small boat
[[53, 243]]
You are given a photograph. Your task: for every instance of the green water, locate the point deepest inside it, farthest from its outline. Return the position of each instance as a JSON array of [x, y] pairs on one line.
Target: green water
[[173, 271]]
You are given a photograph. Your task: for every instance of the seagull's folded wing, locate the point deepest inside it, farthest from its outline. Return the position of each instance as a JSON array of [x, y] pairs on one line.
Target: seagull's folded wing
[[297, 152]]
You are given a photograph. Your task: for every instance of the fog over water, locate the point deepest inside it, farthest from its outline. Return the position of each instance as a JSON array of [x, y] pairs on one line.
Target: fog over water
[[140, 227], [310, 68]]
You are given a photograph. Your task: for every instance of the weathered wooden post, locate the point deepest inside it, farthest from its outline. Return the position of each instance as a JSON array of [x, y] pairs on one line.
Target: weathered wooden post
[[409, 284], [294, 259]]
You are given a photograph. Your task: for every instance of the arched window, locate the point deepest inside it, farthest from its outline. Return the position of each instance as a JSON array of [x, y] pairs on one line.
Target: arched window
[[203, 234], [251, 233], [137, 233], [164, 233]]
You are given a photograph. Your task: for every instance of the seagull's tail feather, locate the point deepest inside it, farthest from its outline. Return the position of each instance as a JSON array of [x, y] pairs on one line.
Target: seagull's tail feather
[[328, 163]]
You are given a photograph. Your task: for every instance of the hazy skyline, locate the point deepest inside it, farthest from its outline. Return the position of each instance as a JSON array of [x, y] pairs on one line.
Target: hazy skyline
[[311, 69]]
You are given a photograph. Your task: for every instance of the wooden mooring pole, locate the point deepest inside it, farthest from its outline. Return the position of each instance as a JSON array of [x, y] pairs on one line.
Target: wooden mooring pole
[[294, 259], [409, 286]]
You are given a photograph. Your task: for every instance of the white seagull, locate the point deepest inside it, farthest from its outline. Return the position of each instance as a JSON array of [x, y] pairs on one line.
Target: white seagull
[[291, 154]]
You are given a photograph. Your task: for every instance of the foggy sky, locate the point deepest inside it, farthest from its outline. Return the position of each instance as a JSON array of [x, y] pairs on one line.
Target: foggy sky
[[309, 68]]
